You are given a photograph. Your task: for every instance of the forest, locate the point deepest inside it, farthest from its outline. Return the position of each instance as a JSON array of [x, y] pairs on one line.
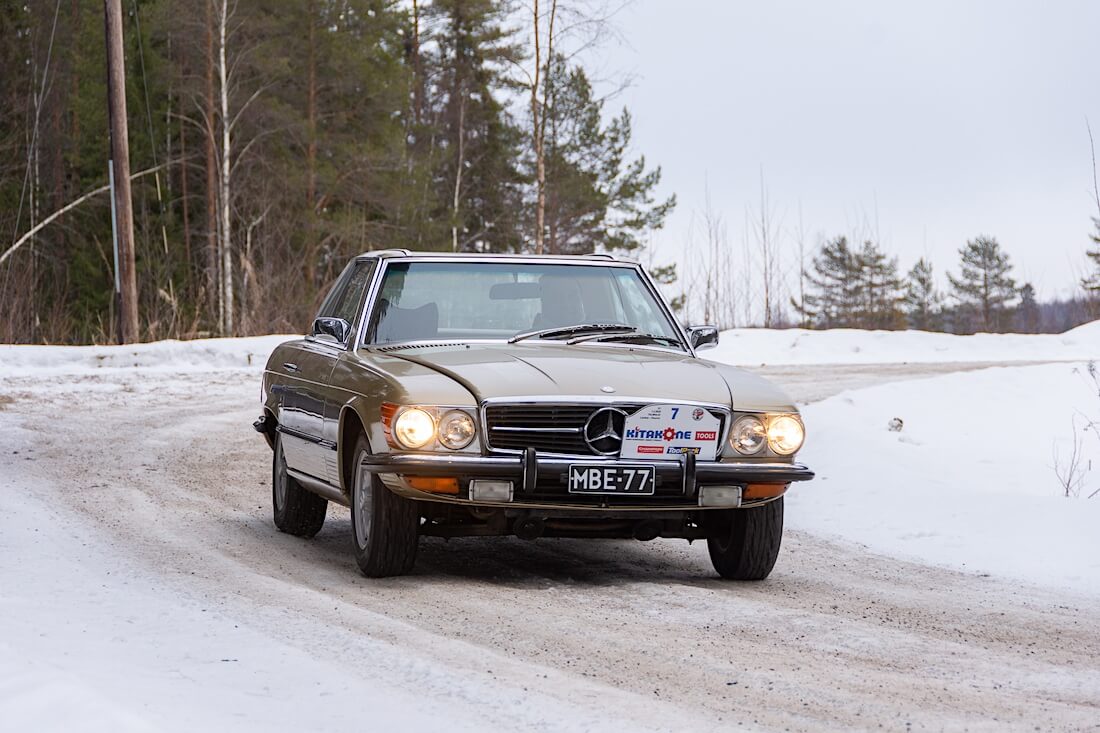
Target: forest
[[270, 140]]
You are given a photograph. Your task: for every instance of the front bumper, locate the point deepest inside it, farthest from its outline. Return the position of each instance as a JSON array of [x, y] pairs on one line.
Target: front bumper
[[540, 481]]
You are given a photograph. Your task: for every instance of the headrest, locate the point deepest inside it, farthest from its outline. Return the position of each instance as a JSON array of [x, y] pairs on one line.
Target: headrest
[[407, 324]]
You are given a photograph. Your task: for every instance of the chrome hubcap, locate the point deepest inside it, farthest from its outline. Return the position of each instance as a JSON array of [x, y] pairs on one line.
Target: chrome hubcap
[[364, 507]]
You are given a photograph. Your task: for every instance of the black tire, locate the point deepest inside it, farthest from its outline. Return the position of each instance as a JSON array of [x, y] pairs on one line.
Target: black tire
[[297, 511], [744, 543], [384, 526]]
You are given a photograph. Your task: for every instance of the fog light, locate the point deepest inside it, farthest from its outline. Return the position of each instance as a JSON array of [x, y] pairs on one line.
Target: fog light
[[482, 490], [720, 496]]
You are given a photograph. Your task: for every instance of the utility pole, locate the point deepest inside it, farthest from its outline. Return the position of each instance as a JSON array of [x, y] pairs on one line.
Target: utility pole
[[123, 212]]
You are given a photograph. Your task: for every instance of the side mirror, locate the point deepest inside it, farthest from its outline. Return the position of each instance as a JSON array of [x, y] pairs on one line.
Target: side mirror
[[337, 328], [703, 337]]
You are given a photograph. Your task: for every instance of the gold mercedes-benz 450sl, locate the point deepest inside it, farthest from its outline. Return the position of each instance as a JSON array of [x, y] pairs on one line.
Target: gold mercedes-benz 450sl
[[536, 396]]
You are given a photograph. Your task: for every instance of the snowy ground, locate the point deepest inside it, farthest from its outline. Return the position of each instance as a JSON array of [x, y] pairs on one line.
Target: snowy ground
[[968, 481], [931, 578], [752, 346]]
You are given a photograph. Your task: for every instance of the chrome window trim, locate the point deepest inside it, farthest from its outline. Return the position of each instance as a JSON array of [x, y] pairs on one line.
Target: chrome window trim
[[583, 261], [357, 325], [593, 400], [368, 304], [327, 343]]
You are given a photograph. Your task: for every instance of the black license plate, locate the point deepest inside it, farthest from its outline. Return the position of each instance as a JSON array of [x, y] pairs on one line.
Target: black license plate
[[597, 478]]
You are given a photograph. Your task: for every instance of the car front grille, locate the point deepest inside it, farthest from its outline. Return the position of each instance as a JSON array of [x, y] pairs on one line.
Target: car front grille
[[548, 428]]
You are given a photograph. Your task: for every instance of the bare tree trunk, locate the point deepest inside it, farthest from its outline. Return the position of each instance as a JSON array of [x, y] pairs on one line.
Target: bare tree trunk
[[767, 244], [311, 150], [801, 271], [538, 118], [458, 167], [540, 168], [248, 275], [417, 65], [33, 194], [226, 240], [311, 109], [212, 279], [185, 201]]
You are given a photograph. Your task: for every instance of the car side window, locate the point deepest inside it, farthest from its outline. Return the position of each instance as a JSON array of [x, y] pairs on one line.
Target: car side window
[[346, 296]]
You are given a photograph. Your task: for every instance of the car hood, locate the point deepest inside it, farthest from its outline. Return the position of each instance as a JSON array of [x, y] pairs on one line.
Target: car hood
[[502, 371]]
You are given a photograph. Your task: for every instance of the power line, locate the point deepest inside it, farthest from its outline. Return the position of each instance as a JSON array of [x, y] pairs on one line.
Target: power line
[[37, 116]]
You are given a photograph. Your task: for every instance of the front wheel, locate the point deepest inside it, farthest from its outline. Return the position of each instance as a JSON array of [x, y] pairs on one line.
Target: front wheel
[[296, 511], [384, 526], [744, 543]]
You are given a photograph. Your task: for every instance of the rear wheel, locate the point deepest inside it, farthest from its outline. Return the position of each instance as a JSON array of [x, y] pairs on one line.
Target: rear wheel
[[297, 511], [744, 543], [384, 526]]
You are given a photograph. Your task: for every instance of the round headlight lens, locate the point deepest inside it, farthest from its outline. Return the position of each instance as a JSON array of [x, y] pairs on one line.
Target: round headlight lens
[[456, 429], [414, 428], [785, 434], [748, 435]]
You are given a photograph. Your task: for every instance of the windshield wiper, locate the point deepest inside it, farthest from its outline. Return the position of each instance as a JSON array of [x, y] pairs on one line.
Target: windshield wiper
[[570, 330], [632, 335]]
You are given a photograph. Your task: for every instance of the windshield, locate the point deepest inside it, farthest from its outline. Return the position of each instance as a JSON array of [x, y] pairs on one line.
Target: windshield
[[497, 300]]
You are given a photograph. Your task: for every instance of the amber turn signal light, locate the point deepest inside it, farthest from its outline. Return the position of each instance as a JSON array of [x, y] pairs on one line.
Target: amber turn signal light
[[433, 485], [764, 491]]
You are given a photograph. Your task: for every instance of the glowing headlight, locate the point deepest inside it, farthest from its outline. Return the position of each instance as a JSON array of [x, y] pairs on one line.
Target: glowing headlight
[[748, 435], [414, 428], [456, 429], [785, 434]]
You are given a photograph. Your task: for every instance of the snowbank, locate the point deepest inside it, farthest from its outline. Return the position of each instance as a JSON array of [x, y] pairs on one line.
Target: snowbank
[[170, 356], [968, 481], [746, 346], [752, 346]]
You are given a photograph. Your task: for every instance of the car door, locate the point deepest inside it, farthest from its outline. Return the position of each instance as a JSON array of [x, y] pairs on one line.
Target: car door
[[301, 419], [309, 447], [347, 308]]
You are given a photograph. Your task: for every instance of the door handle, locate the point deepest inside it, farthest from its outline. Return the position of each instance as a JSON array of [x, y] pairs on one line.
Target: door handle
[[290, 367]]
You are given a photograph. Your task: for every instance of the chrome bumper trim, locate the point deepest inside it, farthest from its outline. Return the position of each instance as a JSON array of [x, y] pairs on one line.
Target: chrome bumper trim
[[421, 464]]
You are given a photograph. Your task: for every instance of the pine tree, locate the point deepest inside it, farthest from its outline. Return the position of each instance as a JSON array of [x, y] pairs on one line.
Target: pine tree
[[834, 298], [984, 288], [1027, 313], [667, 275], [594, 198], [478, 185], [1091, 283], [879, 289], [852, 288], [923, 302]]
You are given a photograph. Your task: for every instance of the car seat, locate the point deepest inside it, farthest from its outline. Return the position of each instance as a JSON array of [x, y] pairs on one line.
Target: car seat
[[560, 300], [407, 324]]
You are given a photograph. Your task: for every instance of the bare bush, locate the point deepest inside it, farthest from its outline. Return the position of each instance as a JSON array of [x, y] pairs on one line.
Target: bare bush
[[1068, 469], [1072, 470]]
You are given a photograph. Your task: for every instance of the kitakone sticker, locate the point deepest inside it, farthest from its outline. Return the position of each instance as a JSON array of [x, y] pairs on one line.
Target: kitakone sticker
[[675, 429]]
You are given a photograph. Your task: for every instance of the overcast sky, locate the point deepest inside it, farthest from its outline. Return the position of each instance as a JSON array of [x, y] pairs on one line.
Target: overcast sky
[[944, 119]]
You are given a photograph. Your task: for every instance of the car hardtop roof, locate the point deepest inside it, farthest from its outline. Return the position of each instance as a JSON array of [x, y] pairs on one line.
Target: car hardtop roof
[[410, 254]]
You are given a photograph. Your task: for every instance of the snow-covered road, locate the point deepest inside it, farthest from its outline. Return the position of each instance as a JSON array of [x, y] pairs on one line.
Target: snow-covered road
[[144, 587]]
